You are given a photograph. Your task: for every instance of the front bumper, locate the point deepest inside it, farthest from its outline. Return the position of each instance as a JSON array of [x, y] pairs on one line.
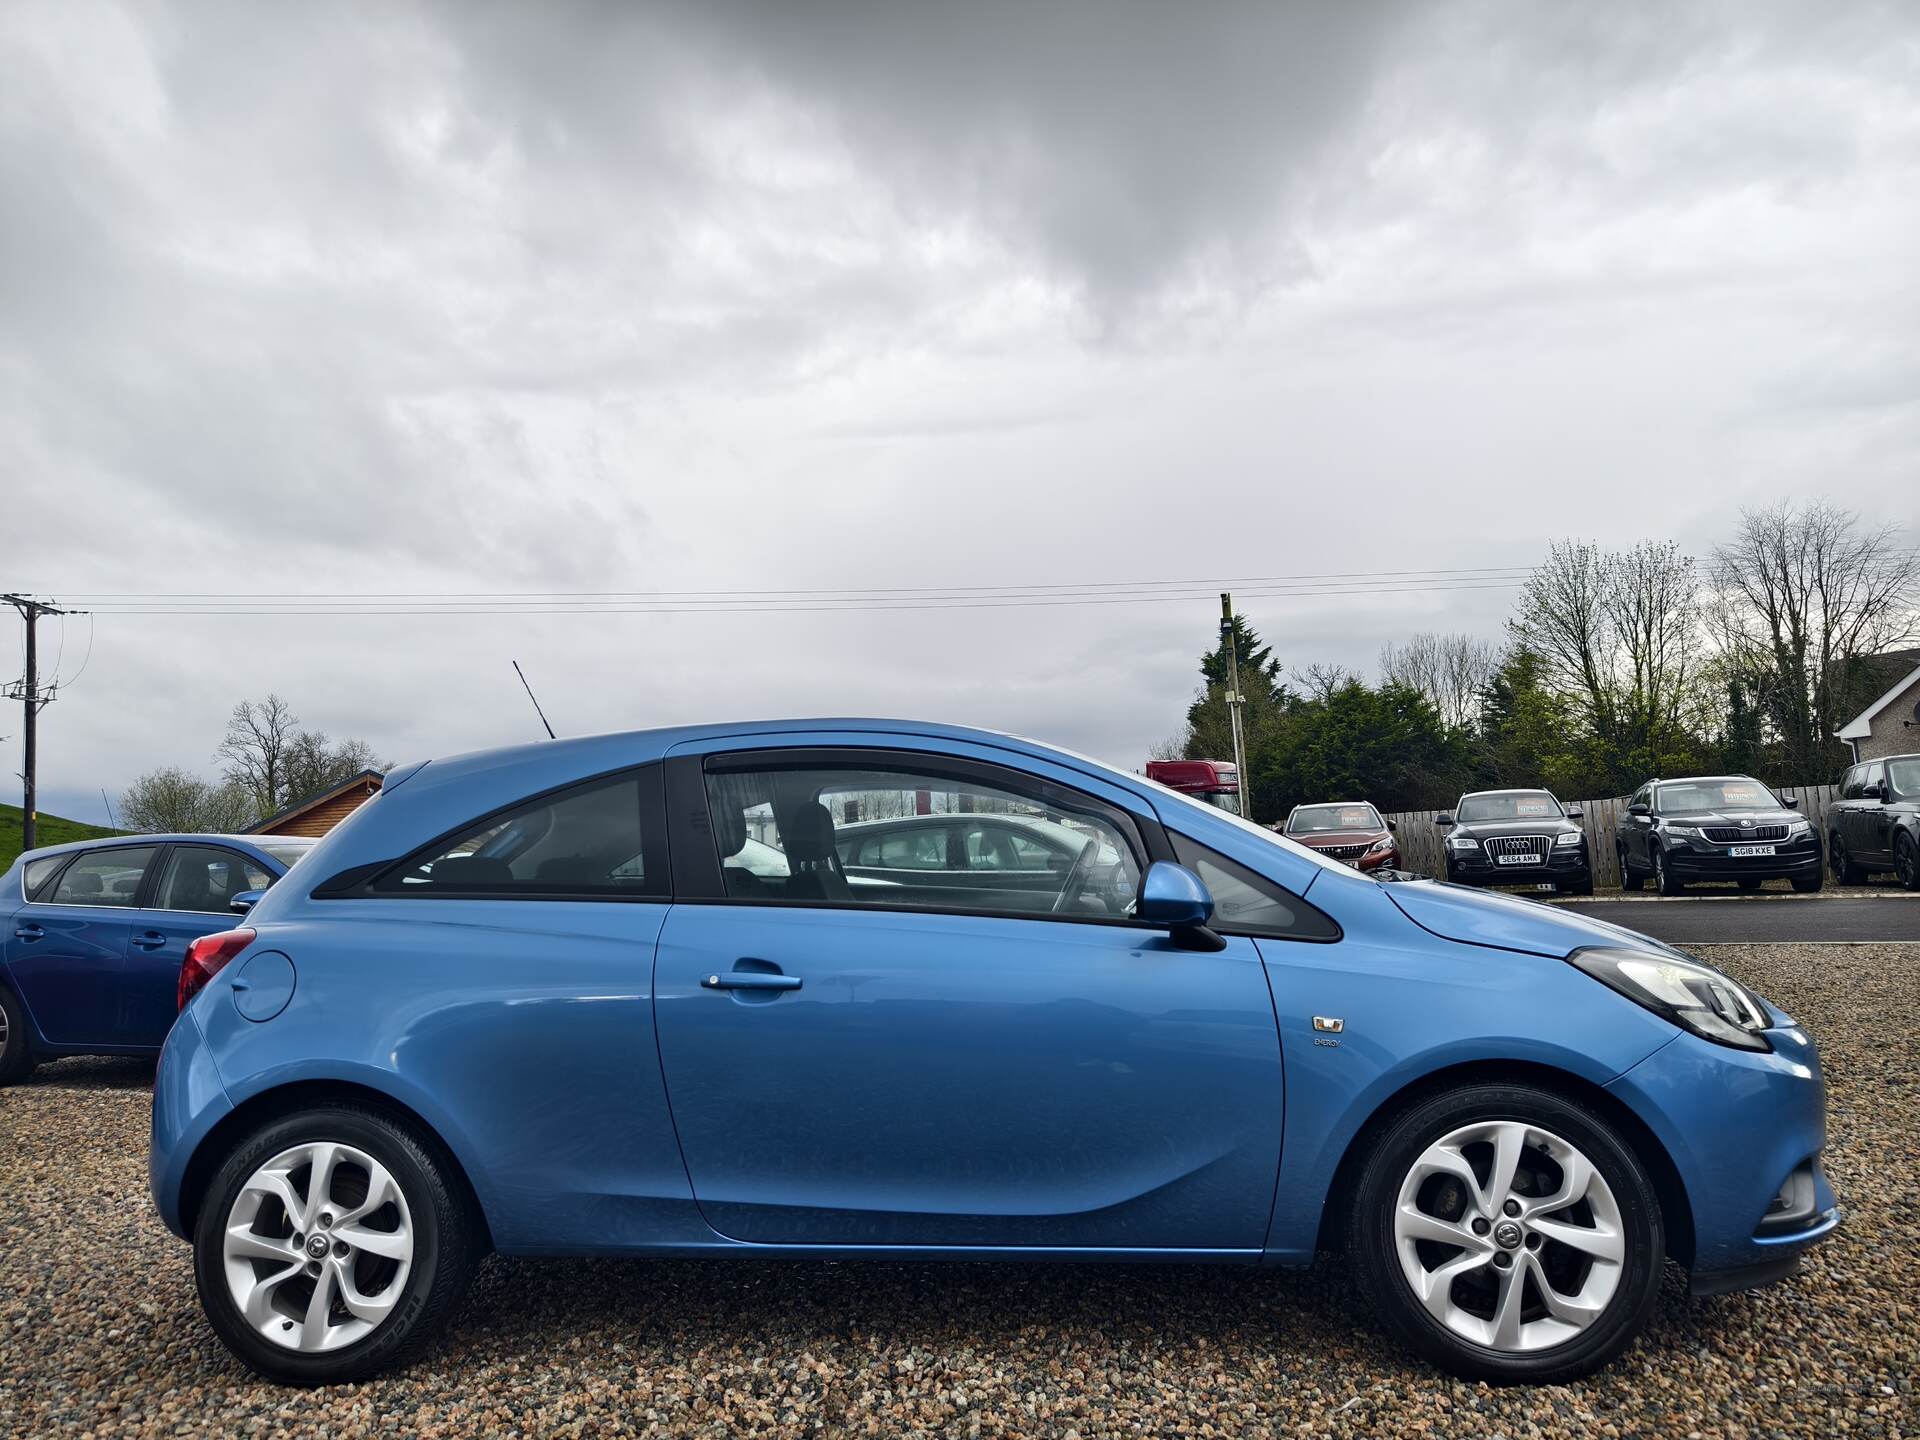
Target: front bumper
[[1565, 865], [1744, 1131], [1697, 859]]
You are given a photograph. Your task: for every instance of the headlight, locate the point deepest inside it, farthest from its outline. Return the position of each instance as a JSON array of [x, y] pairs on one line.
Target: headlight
[[1798, 828], [1462, 842], [1381, 846], [1693, 996], [1675, 828], [1572, 837]]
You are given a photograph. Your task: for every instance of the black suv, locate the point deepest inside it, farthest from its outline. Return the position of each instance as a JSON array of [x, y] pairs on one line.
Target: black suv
[[1714, 827], [1516, 837], [1875, 823]]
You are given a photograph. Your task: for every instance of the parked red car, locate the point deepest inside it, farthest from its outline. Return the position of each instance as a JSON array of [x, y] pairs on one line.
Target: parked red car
[[1350, 830]]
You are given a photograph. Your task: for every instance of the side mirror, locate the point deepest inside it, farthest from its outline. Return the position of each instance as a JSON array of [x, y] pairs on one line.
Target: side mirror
[[241, 903], [1884, 791], [1641, 811], [1393, 824], [1173, 896], [1442, 821], [1576, 814], [1788, 802]]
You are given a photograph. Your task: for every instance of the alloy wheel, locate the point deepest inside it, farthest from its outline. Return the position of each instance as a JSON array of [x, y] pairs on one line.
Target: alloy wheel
[[1509, 1236], [1906, 864], [317, 1247]]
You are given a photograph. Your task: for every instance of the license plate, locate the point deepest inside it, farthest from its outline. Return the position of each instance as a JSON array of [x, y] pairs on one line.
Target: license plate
[[1752, 850], [1536, 859], [1549, 885]]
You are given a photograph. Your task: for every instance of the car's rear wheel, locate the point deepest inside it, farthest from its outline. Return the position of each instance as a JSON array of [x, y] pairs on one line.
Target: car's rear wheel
[[1663, 877], [16, 1051], [1508, 1234], [1906, 861], [331, 1245], [1630, 878], [1845, 872]]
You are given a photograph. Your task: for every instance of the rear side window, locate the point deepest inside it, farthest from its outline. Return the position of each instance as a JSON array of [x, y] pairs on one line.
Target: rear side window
[[600, 839], [1247, 903], [102, 877], [38, 872], [206, 878]]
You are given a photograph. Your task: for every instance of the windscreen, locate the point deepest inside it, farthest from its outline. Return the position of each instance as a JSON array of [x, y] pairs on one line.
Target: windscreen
[[1905, 775], [1738, 793], [1507, 805], [1318, 819]]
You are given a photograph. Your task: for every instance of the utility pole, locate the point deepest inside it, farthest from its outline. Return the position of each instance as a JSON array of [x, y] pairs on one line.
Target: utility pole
[[1235, 702], [33, 700]]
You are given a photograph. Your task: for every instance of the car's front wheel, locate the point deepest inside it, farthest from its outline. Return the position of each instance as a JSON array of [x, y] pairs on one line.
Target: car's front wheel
[[1508, 1234], [1906, 861], [331, 1244], [1664, 879]]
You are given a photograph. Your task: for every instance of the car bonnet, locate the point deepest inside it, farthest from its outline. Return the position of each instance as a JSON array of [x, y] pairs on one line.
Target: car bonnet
[[1505, 922]]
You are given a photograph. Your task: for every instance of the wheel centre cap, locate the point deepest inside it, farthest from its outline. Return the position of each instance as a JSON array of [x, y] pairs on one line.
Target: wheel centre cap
[[317, 1246], [1507, 1233]]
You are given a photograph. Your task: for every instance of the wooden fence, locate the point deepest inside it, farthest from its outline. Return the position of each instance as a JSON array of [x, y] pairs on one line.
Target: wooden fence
[[1420, 839]]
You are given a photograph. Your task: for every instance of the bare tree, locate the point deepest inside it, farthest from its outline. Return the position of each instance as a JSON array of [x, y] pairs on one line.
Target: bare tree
[[259, 735], [1451, 670], [1804, 594], [1564, 622], [1320, 679], [313, 763], [173, 800]]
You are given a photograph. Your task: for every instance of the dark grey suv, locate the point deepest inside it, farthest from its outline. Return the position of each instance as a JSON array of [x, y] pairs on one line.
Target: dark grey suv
[[1714, 827], [1516, 837], [1875, 824]]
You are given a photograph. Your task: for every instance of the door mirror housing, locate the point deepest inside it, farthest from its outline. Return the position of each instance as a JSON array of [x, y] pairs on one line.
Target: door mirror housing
[[1442, 821], [1393, 824], [1576, 814], [1788, 802], [1642, 810], [244, 901], [1173, 896]]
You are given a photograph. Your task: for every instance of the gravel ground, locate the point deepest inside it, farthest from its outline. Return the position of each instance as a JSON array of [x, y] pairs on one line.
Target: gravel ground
[[100, 1333]]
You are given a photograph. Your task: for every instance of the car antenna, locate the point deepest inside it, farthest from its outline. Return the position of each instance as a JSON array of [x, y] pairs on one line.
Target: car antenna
[[536, 703]]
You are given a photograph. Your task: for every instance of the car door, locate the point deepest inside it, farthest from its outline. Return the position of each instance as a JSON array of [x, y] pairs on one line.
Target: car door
[[956, 1067], [188, 900], [67, 950], [1634, 829], [1873, 818]]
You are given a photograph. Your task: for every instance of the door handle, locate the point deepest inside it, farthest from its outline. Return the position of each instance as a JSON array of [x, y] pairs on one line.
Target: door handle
[[750, 980], [28, 931], [149, 939]]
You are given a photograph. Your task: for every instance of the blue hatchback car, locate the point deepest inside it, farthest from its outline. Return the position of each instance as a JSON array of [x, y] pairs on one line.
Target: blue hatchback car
[[637, 995], [95, 934]]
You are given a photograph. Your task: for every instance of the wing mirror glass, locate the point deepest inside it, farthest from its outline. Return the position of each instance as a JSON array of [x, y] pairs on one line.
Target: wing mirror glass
[[1173, 896], [244, 901]]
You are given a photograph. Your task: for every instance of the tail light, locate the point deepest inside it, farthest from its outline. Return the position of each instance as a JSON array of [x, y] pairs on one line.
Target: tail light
[[206, 957]]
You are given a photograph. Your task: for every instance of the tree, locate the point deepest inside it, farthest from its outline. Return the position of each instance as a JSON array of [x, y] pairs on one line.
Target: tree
[[1387, 745], [259, 734], [1805, 596], [1209, 733], [1451, 670], [171, 800], [1253, 656], [313, 763]]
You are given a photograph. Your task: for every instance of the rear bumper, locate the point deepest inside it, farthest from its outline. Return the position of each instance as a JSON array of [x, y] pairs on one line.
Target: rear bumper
[[188, 1101], [1744, 1132]]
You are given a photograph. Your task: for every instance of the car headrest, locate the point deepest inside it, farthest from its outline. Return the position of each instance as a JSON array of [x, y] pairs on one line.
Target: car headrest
[[83, 882], [730, 829], [471, 871], [808, 831]]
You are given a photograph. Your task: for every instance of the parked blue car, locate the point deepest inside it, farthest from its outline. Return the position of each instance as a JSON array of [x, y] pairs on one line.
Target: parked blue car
[[535, 1001], [95, 934]]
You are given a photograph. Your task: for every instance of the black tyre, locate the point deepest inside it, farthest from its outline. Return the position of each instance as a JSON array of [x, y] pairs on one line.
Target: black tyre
[[16, 1048], [1906, 861], [1807, 884], [1845, 872], [1538, 1279], [1630, 878], [1577, 887], [1750, 883], [1664, 879], [332, 1244]]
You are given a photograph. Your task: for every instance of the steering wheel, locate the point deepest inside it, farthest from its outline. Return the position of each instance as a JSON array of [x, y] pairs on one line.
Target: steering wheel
[[1077, 874]]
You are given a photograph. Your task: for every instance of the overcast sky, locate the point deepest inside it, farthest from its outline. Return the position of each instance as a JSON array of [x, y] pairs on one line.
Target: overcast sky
[[549, 298]]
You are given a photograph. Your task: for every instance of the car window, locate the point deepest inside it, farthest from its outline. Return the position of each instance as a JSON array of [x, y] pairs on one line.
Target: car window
[[1319, 819], [1905, 775], [585, 841], [287, 852], [1507, 805], [1876, 775], [1247, 903], [1739, 793], [37, 872], [864, 837], [103, 877], [205, 877]]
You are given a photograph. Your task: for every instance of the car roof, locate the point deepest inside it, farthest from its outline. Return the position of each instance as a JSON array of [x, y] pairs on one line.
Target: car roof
[[258, 843], [1514, 790]]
